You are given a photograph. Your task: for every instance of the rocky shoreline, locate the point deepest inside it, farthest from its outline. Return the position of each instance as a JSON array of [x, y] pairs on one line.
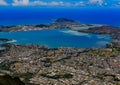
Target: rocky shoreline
[[40, 65], [61, 23], [58, 24], [114, 32]]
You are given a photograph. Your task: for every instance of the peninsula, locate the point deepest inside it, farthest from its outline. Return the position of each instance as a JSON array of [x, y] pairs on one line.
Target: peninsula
[[58, 24], [61, 23], [39, 65]]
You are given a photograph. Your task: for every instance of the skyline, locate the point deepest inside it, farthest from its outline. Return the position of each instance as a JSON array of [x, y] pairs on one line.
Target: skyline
[[62, 3]]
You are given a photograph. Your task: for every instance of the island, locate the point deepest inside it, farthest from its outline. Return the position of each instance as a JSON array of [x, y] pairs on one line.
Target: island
[[57, 24], [61, 23], [6, 40], [40, 65]]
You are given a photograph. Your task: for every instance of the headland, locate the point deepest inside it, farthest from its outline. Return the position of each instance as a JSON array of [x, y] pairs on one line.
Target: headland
[[40, 65]]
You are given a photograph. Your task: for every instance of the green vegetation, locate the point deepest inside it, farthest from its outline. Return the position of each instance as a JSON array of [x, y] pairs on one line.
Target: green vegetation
[[105, 52], [116, 51]]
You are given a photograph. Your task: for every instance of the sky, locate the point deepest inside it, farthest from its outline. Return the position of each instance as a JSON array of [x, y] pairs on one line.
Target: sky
[[61, 3]]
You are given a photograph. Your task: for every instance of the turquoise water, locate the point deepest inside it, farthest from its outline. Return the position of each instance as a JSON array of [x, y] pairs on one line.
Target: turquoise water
[[58, 38]]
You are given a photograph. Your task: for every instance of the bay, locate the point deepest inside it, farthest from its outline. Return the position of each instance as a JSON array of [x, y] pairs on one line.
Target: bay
[[58, 38]]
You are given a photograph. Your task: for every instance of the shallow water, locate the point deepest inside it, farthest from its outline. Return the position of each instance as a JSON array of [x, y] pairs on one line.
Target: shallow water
[[58, 38]]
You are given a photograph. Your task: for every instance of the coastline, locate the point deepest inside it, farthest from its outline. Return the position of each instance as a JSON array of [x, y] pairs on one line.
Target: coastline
[[61, 23], [36, 64]]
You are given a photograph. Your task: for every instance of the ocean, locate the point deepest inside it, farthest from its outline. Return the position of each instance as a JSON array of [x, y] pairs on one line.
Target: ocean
[[58, 38], [37, 15]]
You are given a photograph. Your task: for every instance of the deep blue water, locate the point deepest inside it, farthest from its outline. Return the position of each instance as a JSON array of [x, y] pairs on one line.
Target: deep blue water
[[58, 38], [37, 15]]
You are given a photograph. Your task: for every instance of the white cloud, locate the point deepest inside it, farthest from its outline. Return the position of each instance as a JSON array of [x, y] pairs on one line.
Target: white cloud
[[100, 2], [3, 3], [38, 3], [20, 2], [81, 3], [41, 3], [56, 3]]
